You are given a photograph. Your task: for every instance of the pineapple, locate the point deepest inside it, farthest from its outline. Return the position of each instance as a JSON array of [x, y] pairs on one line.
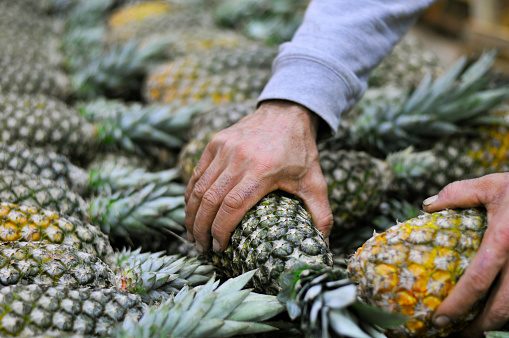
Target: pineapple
[[211, 310], [45, 164], [152, 276], [155, 276], [32, 310], [273, 237], [26, 224], [218, 75], [40, 121], [16, 187], [32, 78], [413, 266], [51, 265]]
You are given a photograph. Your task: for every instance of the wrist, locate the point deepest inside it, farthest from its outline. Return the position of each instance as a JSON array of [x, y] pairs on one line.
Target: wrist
[[294, 111]]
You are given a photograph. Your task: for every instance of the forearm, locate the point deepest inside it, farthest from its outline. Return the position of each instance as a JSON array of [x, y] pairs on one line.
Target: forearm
[[326, 65]]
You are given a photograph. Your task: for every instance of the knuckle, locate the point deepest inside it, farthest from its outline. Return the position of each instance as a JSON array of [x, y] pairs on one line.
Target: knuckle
[[233, 201], [199, 190], [210, 198]]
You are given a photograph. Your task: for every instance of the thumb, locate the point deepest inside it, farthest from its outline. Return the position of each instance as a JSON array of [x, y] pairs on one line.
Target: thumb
[[317, 203]]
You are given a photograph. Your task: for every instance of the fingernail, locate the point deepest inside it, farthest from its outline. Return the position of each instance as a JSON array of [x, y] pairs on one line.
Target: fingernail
[[190, 236], [441, 321], [199, 247], [216, 246], [428, 201]]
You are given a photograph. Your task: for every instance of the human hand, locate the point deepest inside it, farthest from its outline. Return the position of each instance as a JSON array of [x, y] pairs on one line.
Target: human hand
[[490, 266], [274, 148]]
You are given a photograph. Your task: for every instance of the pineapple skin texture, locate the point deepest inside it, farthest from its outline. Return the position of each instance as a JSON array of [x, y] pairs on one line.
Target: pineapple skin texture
[[272, 237], [414, 265], [26, 224], [32, 310], [51, 265]]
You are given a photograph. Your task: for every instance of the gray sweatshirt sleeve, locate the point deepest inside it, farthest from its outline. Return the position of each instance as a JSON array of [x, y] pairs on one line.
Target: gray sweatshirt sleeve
[[325, 66]]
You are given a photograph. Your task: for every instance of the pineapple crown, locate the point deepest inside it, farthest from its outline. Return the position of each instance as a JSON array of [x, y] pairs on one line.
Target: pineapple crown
[[128, 127], [154, 275], [210, 310], [141, 210], [439, 107], [119, 71], [115, 177], [326, 299]]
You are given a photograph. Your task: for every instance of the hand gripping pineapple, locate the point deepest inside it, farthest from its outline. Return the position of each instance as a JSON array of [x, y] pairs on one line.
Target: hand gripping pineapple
[[274, 148], [488, 273]]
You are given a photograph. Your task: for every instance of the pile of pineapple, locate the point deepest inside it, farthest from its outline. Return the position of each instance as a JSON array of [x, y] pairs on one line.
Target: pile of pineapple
[[105, 109]]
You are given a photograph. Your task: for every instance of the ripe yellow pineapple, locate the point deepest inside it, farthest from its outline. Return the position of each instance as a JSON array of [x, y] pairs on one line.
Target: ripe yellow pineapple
[[414, 265]]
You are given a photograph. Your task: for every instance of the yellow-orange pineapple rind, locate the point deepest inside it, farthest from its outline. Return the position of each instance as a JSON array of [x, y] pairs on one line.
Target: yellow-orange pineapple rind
[[414, 265]]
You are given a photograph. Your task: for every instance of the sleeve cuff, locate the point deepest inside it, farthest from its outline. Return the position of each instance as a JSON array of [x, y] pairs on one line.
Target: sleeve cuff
[[313, 85]]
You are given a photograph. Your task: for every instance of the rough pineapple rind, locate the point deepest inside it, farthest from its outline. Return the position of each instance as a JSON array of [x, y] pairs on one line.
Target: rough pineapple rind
[[51, 265], [41, 121], [43, 163], [414, 265], [273, 237], [29, 310], [23, 223], [16, 187]]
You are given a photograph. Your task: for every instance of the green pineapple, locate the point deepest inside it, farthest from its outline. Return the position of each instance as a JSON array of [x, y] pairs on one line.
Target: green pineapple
[[51, 265], [30, 59], [27, 224], [211, 310], [40, 121], [32, 310], [45, 164], [34, 191], [273, 237], [32, 78], [326, 301], [218, 75], [155, 276]]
